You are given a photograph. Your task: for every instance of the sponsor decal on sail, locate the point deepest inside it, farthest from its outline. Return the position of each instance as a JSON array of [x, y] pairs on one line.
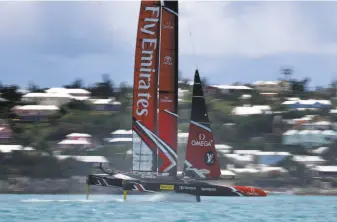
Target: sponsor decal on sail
[[201, 141], [209, 158], [146, 72], [165, 99], [168, 25], [167, 60]]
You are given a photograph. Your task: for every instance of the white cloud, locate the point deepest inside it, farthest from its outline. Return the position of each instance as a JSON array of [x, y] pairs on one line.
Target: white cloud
[[206, 28], [219, 28]]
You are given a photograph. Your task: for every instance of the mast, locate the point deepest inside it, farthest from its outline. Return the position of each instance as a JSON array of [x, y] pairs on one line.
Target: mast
[[144, 116], [201, 160], [168, 88]]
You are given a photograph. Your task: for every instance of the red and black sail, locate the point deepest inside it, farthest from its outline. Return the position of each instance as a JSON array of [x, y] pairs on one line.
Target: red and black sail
[[201, 158], [168, 88], [155, 93], [145, 87]]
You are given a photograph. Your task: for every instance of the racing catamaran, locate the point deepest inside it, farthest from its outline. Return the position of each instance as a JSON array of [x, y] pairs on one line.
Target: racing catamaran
[[155, 119]]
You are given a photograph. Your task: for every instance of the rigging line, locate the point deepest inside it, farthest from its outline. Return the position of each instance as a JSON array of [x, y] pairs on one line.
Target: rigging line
[[192, 43]]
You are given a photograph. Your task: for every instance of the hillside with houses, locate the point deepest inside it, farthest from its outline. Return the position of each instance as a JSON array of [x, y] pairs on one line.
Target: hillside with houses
[[273, 134]]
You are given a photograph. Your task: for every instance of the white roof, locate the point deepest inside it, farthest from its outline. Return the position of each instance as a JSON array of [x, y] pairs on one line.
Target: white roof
[[263, 153], [104, 101], [320, 150], [37, 107], [223, 151], [9, 148], [303, 132], [74, 142], [329, 132], [293, 98], [65, 90], [250, 152], [307, 102], [323, 123], [116, 140], [303, 158], [87, 159], [122, 131], [326, 168], [244, 170], [222, 147], [227, 173], [250, 110], [230, 87], [266, 82], [47, 95], [183, 135], [266, 169], [290, 132], [246, 96], [78, 135], [28, 148]]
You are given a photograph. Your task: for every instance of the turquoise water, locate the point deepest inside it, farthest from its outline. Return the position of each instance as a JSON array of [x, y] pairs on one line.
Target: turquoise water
[[73, 208]]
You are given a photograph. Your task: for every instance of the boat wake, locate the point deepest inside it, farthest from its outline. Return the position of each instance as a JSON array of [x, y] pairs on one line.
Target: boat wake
[[171, 197], [158, 197], [48, 201]]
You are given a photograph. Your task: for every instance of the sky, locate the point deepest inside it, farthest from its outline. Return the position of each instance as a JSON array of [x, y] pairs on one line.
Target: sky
[[53, 43]]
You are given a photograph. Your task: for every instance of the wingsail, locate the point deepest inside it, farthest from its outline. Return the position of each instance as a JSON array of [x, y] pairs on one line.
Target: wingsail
[[145, 87], [155, 95]]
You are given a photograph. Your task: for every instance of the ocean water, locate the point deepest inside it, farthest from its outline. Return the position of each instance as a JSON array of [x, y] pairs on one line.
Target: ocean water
[[73, 208]]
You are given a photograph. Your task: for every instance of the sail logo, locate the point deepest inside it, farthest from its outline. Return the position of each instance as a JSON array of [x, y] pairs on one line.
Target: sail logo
[[202, 136], [166, 100], [201, 141], [168, 26], [209, 158], [147, 71], [167, 60]]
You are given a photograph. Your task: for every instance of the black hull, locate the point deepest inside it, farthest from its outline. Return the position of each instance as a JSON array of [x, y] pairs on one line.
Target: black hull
[[194, 187]]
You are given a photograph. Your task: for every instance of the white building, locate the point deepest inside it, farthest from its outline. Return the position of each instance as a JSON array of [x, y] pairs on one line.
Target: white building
[[35, 112], [272, 86], [56, 99], [308, 160], [309, 137], [78, 94], [251, 110], [227, 89], [120, 137], [74, 144]]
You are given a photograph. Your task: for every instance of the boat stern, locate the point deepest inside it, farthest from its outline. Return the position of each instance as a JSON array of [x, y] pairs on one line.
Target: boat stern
[[251, 191]]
